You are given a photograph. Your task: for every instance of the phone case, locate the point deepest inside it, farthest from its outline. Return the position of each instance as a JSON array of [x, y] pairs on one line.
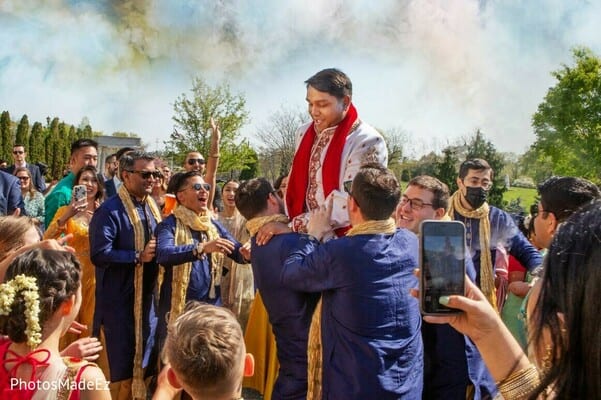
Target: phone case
[[443, 269], [79, 192]]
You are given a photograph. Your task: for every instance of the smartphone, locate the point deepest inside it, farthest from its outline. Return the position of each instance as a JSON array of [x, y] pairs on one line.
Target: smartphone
[[442, 264], [79, 192]]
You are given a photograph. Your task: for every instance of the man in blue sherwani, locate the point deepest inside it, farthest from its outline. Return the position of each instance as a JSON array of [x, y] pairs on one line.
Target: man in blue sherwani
[[289, 310], [453, 366], [11, 199], [122, 247], [372, 346], [191, 246]]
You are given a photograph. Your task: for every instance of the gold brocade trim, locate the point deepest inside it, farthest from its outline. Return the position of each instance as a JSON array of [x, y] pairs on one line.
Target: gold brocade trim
[[187, 220], [385, 226], [254, 224], [138, 388], [487, 279]]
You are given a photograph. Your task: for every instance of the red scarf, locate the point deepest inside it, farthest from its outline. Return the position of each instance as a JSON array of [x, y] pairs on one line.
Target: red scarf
[[298, 180]]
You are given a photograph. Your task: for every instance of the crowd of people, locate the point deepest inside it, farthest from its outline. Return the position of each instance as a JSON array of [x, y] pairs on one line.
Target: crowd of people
[[117, 294]]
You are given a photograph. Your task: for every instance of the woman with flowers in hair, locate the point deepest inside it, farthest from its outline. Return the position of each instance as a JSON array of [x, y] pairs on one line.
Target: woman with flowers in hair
[[39, 300]]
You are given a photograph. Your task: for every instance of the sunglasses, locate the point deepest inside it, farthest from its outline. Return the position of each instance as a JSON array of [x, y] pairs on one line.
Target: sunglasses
[[18, 152], [197, 186], [23, 178], [192, 161], [147, 174]]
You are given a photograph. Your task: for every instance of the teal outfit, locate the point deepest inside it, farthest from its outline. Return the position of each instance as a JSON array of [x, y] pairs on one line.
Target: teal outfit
[[60, 196]]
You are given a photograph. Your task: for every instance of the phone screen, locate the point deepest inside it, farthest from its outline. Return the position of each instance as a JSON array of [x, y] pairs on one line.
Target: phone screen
[[442, 264]]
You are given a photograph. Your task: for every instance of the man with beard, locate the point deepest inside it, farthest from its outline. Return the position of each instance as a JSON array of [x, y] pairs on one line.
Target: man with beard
[[122, 247], [289, 310], [487, 227]]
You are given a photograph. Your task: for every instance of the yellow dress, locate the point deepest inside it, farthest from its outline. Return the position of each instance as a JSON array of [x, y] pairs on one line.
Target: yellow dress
[[78, 226], [260, 342]]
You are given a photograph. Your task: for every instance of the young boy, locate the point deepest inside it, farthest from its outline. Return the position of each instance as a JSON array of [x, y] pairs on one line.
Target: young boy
[[206, 356]]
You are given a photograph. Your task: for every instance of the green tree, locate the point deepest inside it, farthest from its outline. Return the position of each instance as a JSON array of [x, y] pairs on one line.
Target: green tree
[[50, 146], [36, 143], [395, 139], [567, 123], [446, 169], [5, 136], [479, 147], [23, 132], [192, 124]]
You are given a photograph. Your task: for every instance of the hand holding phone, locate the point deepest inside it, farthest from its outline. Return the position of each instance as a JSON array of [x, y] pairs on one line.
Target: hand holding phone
[[79, 192], [442, 264]]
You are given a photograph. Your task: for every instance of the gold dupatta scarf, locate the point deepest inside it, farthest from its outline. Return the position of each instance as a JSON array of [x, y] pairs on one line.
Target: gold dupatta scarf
[[187, 220], [487, 280], [314, 348], [254, 224], [138, 388]]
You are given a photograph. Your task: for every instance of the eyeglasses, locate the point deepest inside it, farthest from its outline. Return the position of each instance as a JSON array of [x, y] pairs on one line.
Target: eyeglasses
[[414, 204], [192, 161], [23, 178], [147, 174], [197, 186], [18, 152]]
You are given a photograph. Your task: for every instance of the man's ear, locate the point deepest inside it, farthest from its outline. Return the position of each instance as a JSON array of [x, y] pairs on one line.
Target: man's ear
[[172, 378], [459, 183], [439, 213], [552, 223]]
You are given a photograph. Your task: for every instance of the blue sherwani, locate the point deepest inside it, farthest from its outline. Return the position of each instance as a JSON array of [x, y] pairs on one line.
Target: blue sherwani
[[372, 345], [170, 255], [10, 194], [290, 312], [112, 250], [452, 361], [502, 230]]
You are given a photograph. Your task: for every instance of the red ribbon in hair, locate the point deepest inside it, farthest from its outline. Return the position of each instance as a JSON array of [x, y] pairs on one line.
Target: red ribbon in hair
[[299, 175]]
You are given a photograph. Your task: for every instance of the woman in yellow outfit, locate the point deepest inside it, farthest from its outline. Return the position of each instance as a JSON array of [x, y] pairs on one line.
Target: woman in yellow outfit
[[74, 219]]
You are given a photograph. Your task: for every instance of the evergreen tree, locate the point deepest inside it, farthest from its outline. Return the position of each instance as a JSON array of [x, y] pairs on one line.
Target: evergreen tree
[[479, 147], [36, 144], [447, 169], [6, 141], [23, 133]]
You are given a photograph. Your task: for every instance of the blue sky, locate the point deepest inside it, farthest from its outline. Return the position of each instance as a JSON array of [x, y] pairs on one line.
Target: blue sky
[[435, 69]]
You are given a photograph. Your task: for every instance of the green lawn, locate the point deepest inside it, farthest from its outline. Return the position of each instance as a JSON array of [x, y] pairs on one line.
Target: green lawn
[[527, 196]]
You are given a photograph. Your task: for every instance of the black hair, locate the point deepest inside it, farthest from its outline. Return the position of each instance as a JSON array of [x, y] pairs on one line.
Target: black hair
[[568, 308], [562, 195], [331, 81], [376, 191], [57, 275], [81, 143], [251, 197], [477, 164]]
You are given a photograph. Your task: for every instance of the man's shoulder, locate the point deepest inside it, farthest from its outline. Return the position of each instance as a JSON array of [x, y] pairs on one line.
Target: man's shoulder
[[366, 130]]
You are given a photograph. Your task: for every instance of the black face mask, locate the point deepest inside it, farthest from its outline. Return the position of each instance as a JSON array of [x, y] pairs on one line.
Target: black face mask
[[475, 196]]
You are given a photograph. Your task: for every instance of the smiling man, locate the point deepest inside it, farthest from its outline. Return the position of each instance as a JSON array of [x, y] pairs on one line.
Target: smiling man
[[191, 246], [451, 361], [329, 151], [122, 247]]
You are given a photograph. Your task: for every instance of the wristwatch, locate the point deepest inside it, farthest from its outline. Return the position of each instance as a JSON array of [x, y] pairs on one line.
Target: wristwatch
[[198, 251]]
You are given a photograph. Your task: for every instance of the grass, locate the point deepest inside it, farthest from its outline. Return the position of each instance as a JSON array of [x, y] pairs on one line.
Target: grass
[[527, 196]]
